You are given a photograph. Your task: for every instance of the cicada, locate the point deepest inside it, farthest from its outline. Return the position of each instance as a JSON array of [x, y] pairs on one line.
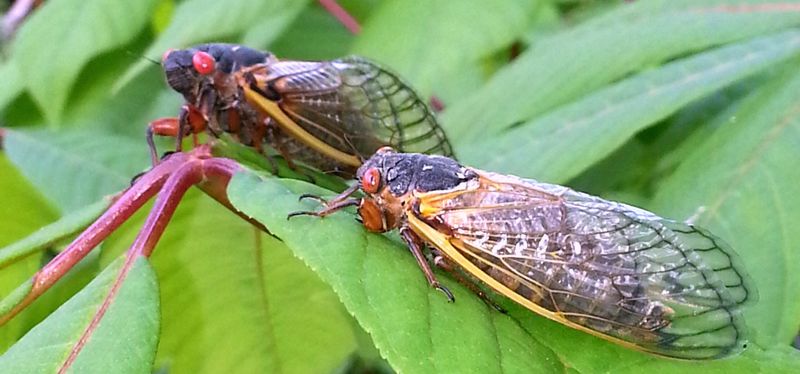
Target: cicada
[[329, 114], [610, 269]]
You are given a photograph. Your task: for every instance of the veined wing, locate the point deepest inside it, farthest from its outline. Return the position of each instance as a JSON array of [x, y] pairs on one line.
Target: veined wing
[[607, 268], [355, 106]]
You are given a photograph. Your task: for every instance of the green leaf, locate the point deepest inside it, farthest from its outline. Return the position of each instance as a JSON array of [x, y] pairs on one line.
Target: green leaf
[[327, 40], [236, 300], [741, 182], [29, 209], [196, 21], [56, 42], [430, 40], [559, 145], [47, 235], [30, 212], [12, 84], [124, 340], [414, 327], [262, 34], [75, 169], [635, 36]]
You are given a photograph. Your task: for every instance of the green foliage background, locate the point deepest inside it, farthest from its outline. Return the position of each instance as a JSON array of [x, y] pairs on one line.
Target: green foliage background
[[690, 108]]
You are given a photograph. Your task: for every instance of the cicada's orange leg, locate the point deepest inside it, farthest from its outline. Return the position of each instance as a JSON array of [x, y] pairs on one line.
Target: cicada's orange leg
[[190, 121], [415, 244], [169, 179]]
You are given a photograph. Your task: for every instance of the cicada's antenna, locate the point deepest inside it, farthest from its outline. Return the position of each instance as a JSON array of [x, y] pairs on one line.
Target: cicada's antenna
[[143, 57]]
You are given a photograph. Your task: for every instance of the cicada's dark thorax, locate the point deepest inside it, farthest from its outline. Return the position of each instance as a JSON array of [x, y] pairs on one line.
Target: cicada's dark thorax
[[406, 172]]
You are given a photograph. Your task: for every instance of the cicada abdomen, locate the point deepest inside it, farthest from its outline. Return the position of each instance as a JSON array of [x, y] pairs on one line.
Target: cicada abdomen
[[329, 114], [606, 268]]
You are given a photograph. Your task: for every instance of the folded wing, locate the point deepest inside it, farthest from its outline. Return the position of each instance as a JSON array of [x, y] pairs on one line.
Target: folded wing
[[356, 106], [608, 268]]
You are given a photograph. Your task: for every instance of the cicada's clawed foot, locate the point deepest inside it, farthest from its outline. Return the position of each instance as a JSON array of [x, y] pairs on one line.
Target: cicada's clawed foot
[[341, 201], [330, 207], [302, 213], [493, 304], [445, 291], [136, 178], [444, 264], [313, 197]]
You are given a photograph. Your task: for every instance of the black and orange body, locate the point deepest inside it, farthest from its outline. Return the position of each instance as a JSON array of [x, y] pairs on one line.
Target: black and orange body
[[206, 76], [606, 268], [329, 114]]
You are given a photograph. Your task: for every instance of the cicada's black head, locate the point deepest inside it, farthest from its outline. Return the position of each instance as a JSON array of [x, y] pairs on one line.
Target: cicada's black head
[[188, 70], [406, 172]]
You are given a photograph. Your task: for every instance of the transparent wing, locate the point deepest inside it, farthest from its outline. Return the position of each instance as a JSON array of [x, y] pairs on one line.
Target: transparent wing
[[663, 286], [356, 106]]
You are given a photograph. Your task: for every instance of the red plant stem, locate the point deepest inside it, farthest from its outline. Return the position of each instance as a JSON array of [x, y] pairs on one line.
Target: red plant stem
[[436, 104], [14, 17], [201, 169], [126, 205], [219, 172], [341, 15], [189, 174]]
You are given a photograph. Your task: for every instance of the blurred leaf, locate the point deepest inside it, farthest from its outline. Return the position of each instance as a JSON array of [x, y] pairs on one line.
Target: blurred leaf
[[22, 201], [360, 9], [162, 14], [46, 235], [75, 169], [127, 112], [19, 200], [328, 39], [21, 259], [124, 341], [92, 100], [561, 144], [431, 39], [234, 287], [12, 84], [56, 42], [196, 21], [262, 34], [742, 183], [635, 36]]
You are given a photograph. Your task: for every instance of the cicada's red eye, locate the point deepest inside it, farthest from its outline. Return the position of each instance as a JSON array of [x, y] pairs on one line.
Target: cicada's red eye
[[371, 180], [203, 62]]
